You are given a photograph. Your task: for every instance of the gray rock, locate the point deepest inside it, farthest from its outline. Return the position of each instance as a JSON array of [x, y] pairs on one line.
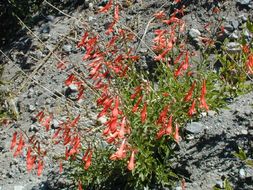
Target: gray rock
[[233, 47], [249, 172], [243, 18], [194, 33], [228, 27], [243, 2], [234, 36], [37, 54], [189, 137], [33, 128], [50, 18], [45, 29], [91, 6], [73, 88], [244, 132], [194, 127], [247, 34], [67, 48], [242, 173], [32, 108], [211, 113], [219, 184], [48, 101], [90, 18], [19, 187], [235, 24], [44, 37], [203, 114], [55, 124]]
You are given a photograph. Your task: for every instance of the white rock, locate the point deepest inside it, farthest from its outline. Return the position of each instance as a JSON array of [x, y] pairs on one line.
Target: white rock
[[102, 120], [194, 33], [18, 187]]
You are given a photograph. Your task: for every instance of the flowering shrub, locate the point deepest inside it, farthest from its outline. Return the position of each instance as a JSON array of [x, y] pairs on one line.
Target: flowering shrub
[[143, 110]]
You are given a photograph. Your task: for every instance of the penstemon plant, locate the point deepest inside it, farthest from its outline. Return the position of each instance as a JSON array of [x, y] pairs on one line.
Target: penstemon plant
[[143, 113]]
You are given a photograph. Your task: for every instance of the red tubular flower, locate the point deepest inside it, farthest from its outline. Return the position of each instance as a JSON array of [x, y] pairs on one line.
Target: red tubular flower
[[88, 161], [179, 11], [14, 140], [182, 27], [80, 92], [47, 122], [192, 109], [95, 70], [40, 167], [28, 157], [110, 28], [245, 49], [163, 115], [159, 15], [80, 185], [82, 42], [115, 110], [57, 133], [112, 41], [203, 103], [20, 147], [249, 64], [186, 61], [178, 58], [30, 160], [183, 184], [120, 154], [75, 146], [106, 7], [66, 153], [70, 79], [75, 121], [60, 167], [131, 163], [168, 129], [188, 96], [144, 113], [172, 20], [40, 116], [176, 133], [66, 139], [136, 106], [177, 1], [137, 91], [122, 128], [107, 105], [113, 137], [178, 71], [160, 133], [165, 52], [112, 124], [116, 13], [84, 159], [203, 89]]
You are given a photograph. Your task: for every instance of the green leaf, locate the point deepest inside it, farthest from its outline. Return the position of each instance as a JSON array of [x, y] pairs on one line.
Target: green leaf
[[249, 162], [227, 185], [241, 155], [249, 26]]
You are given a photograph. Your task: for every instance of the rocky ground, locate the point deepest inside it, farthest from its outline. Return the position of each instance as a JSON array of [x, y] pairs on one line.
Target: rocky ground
[[206, 154]]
